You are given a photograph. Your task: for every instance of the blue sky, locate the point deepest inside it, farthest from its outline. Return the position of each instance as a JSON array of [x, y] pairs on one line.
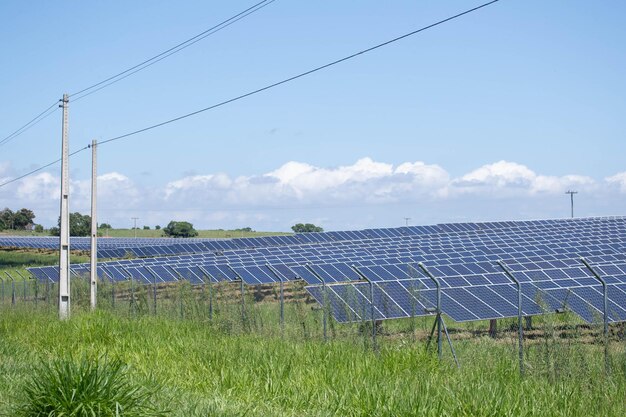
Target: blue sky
[[491, 116]]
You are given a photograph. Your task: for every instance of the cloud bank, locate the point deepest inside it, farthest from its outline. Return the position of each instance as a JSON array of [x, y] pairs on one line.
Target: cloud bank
[[364, 194]]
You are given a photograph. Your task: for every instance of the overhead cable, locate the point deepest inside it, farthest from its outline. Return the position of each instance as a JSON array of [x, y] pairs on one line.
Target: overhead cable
[[295, 77], [177, 48]]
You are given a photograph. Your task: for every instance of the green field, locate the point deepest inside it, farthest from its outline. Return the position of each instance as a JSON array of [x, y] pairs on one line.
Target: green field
[[225, 363], [156, 233]]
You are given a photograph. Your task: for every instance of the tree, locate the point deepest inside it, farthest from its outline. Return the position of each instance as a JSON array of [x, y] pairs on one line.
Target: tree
[[6, 218], [180, 229], [80, 225], [146, 228], [306, 228], [105, 226], [23, 219], [157, 227], [38, 228]]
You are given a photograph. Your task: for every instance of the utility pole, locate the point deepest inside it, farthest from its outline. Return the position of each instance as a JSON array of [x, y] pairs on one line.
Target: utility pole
[[406, 220], [93, 273], [135, 227], [64, 248], [571, 193]]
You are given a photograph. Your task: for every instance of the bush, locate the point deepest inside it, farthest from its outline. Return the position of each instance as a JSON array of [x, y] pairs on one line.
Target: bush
[[97, 387]]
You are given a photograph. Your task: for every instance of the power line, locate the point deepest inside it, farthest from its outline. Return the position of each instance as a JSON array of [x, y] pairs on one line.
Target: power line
[[303, 74], [41, 168], [177, 48], [31, 123], [142, 65]]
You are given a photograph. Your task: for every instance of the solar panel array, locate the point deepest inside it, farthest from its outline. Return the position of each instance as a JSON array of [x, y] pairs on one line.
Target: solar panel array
[[150, 247], [543, 255]]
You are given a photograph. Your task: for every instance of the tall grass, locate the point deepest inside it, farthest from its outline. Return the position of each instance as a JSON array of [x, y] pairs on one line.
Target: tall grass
[[85, 388], [209, 368]]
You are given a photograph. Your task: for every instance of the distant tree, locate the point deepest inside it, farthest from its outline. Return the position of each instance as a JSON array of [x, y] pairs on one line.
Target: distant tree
[[19, 220], [38, 228], [244, 229], [180, 229], [6, 218], [157, 227], [146, 228], [80, 225], [306, 228], [105, 226], [23, 219]]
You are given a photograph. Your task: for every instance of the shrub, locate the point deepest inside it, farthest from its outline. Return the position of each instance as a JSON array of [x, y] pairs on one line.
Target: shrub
[[100, 387]]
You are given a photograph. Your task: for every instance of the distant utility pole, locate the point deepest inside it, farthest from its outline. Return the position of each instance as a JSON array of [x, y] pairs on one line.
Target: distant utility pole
[[135, 227], [64, 229], [571, 194], [406, 220]]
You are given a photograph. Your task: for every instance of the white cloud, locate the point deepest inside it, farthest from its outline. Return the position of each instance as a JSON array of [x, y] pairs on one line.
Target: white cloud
[[43, 186], [366, 193], [507, 178], [618, 180]]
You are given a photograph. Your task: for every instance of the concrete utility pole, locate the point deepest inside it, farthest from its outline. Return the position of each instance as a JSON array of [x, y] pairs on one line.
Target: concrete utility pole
[[571, 193], [135, 227], [406, 219], [64, 249], [93, 274]]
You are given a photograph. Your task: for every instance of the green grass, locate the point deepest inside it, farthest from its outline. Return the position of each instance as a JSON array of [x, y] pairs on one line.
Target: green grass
[[230, 365], [201, 233], [224, 368], [12, 260], [155, 233], [87, 387]]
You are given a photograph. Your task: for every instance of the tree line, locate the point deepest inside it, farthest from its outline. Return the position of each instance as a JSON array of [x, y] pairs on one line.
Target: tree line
[[80, 225], [17, 220]]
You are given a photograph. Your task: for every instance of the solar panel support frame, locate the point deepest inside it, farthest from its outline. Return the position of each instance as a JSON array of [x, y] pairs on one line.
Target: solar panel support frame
[[132, 305], [243, 296], [180, 290], [12, 287], [371, 287], [282, 297], [439, 319], [605, 316], [520, 329], [324, 299], [23, 285], [210, 281], [154, 289]]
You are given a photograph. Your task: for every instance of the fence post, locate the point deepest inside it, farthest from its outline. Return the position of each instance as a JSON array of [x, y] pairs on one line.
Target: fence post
[[324, 298], [520, 331], [605, 314]]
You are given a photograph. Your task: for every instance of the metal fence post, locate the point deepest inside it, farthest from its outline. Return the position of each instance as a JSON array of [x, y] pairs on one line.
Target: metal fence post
[[324, 301], [282, 296], [154, 288], [210, 280], [605, 314], [372, 308], [520, 330]]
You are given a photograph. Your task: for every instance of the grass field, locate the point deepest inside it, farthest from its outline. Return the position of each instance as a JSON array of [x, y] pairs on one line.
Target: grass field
[[156, 233], [229, 364]]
